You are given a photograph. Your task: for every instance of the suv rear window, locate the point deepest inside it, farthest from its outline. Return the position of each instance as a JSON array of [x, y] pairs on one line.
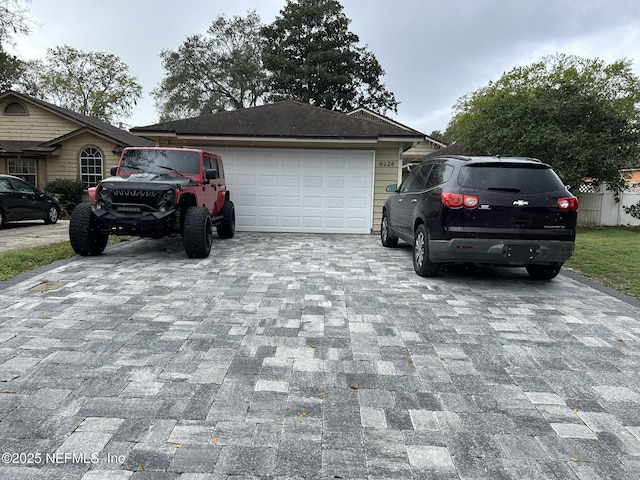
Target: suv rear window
[[510, 177]]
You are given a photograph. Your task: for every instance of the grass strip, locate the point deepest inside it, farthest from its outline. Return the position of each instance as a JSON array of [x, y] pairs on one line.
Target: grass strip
[[610, 256], [15, 262]]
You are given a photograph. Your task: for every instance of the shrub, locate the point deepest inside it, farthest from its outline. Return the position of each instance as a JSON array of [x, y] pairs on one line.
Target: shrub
[[68, 192]]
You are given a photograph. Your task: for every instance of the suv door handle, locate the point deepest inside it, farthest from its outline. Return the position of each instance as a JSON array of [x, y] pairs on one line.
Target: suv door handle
[[400, 200], [414, 200]]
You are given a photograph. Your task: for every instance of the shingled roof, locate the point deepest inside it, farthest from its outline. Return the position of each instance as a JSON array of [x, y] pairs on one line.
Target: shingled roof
[[115, 134], [286, 119]]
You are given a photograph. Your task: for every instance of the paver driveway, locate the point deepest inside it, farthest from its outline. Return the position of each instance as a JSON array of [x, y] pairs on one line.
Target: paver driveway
[[312, 356]]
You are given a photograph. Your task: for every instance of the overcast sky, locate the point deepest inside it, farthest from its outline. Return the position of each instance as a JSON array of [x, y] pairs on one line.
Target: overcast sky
[[433, 51]]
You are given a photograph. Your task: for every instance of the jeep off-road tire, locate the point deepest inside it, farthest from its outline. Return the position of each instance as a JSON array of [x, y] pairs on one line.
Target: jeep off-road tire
[[84, 233], [197, 235], [227, 227]]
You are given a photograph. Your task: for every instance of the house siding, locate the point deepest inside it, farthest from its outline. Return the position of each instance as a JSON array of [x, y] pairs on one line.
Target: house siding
[[39, 125], [67, 164], [42, 125], [387, 166]]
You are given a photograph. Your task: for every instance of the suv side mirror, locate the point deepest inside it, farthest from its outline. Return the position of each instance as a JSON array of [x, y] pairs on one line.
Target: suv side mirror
[[211, 174], [391, 188], [114, 171]]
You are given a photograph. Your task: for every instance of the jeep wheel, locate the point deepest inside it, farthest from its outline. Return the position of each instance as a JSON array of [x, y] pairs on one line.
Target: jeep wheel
[[197, 235], [385, 236], [421, 263], [84, 232], [543, 272], [227, 228]]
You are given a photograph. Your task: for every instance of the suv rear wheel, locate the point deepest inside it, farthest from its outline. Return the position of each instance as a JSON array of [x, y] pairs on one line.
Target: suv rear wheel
[[543, 272], [421, 263], [197, 234], [385, 236]]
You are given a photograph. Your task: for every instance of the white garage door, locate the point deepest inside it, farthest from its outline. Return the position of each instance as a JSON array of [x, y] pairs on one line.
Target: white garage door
[[316, 191]]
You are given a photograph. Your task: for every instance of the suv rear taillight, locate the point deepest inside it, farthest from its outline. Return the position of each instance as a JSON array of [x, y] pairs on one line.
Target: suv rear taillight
[[568, 203], [457, 200]]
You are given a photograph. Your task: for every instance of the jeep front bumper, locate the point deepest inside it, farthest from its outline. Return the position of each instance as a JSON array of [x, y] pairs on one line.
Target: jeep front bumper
[[141, 222]]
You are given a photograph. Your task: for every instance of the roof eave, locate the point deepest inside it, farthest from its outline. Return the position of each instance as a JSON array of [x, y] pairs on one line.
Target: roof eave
[[276, 139]]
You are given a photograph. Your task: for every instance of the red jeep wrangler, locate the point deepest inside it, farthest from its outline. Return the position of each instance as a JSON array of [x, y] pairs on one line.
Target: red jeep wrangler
[[157, 192]]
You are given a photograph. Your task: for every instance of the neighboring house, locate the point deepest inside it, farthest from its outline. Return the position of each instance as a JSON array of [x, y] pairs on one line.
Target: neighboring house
[[41, 142], [409, 161], [632, 177], [418, 151], [294, 167]]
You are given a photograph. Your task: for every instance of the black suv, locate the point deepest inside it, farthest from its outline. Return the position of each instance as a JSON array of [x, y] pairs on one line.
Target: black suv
[[482, 210]]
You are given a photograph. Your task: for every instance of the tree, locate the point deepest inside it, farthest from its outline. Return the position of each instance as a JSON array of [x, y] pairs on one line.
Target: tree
[[219, 71], [10, 70], [95, 84], [312, 57], [579, 115], [14, 20]]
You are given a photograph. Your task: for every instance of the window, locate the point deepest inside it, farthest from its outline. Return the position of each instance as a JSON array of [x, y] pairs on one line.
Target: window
[[23, 187], [24, 168], [417, 180], [15, 108], [439, 174], [211, 164], [5, 185], [90, 167]]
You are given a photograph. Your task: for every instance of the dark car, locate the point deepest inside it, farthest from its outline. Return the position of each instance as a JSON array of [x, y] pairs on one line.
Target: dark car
[[20, 200], [482, 210]]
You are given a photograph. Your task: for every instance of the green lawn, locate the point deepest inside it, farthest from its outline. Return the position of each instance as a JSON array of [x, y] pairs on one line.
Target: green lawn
[[14, 262], [610, 256]]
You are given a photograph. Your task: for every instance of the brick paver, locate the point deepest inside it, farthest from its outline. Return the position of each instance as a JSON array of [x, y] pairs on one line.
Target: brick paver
[[312, 356]]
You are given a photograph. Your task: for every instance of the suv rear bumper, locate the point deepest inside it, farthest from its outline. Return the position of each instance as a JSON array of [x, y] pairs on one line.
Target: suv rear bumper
[[500, 252]]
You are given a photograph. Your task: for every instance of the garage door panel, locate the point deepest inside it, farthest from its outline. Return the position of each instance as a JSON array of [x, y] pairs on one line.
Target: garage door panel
[[291, 181], [245, 180], [247, 220], [269, 221], [335, 182], [313, 222], [313, 182], [336, 223], [290, 202], [269, 181], [291, 222], [355, 223], [299, 190], [269, 201], [335, 202], [246, 201]]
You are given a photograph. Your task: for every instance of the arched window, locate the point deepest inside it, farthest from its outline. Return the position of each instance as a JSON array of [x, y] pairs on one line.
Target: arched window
[[15, 108], [90, 167]]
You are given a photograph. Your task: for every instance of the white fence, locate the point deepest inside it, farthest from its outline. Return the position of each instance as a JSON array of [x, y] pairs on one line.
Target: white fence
[[599, 208]]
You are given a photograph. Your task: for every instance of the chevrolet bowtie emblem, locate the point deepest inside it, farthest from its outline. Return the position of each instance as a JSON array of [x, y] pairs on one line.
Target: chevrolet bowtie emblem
[[520, 203]]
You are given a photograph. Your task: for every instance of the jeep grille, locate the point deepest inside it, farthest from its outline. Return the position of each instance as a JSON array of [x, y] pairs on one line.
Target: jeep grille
[[137, 196]]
